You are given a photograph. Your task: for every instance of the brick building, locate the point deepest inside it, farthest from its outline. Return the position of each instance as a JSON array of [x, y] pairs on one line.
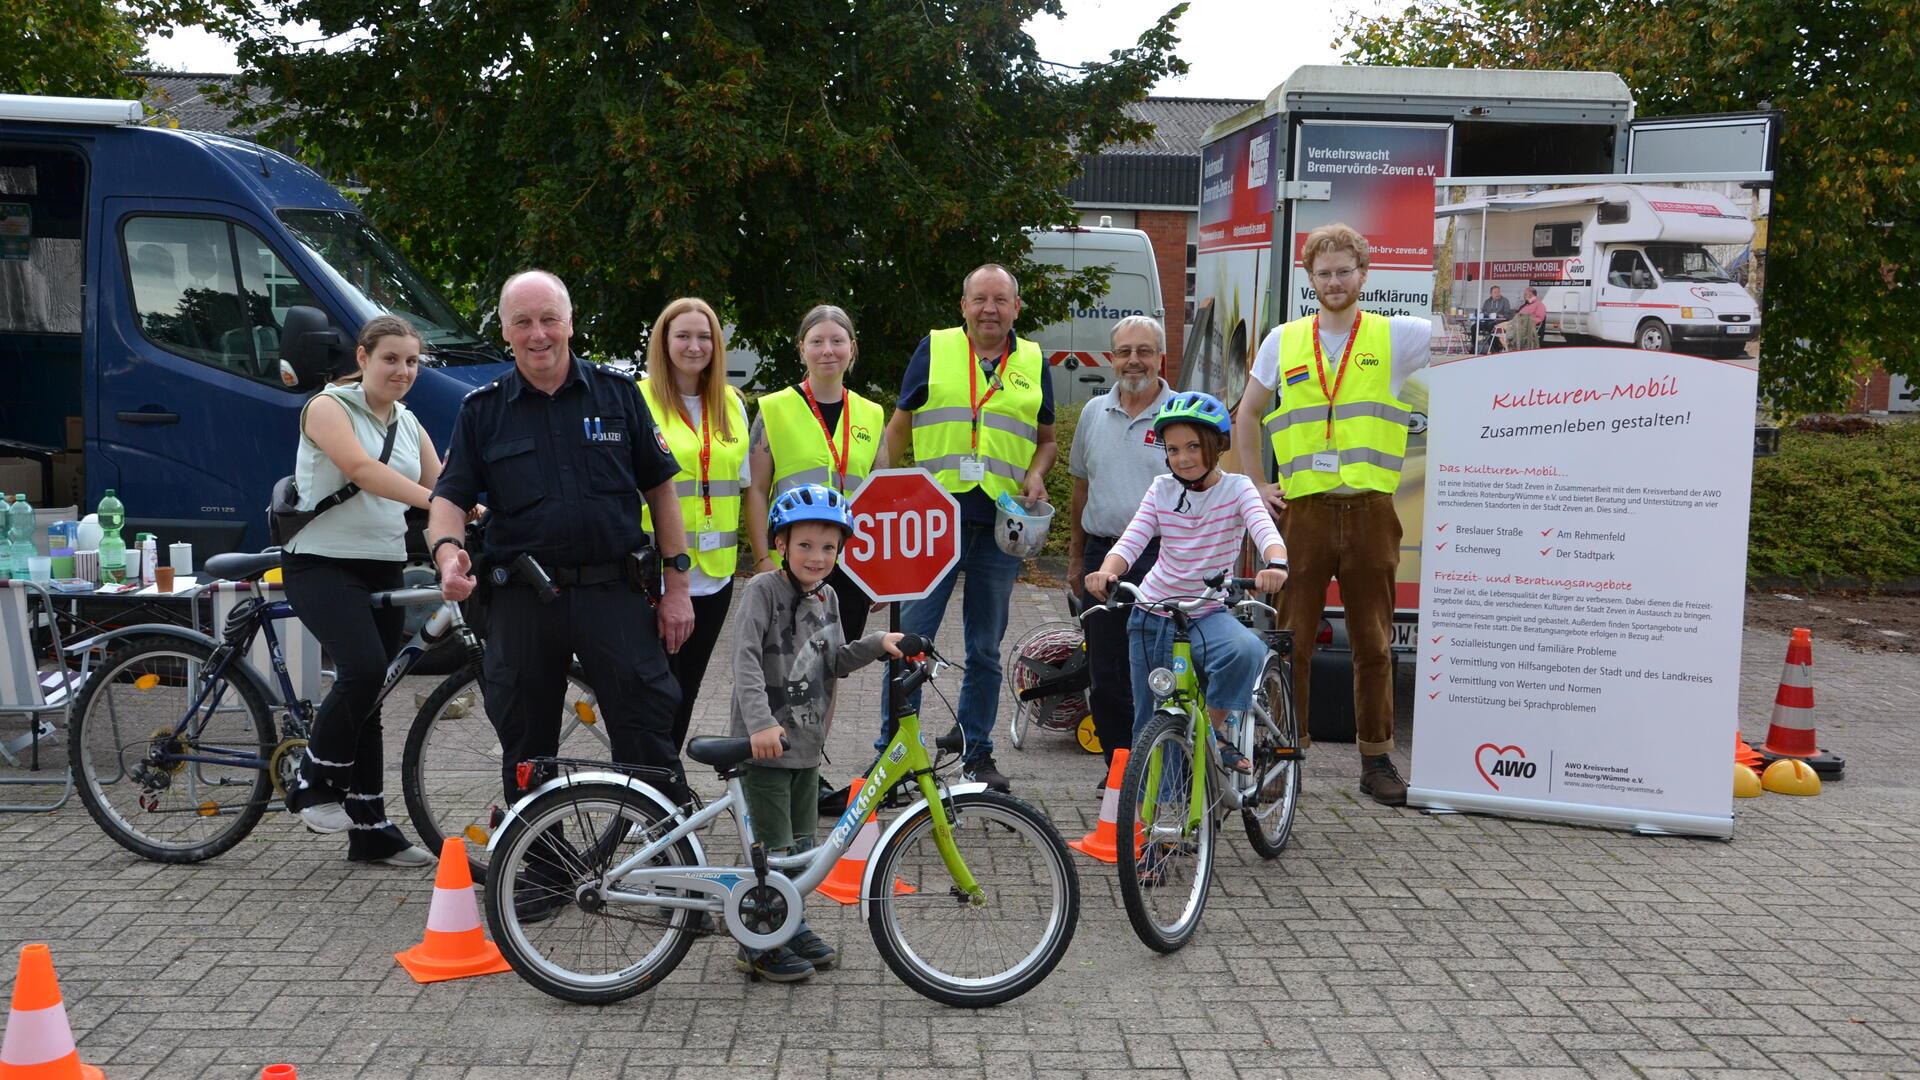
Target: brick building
[[1154, 186]]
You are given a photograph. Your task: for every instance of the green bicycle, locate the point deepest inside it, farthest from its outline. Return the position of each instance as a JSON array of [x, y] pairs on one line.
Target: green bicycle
[[597, 883], [1175, 795]]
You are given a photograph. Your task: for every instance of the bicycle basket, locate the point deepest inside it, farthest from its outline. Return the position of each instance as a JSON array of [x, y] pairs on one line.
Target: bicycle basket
[[1051, 658]]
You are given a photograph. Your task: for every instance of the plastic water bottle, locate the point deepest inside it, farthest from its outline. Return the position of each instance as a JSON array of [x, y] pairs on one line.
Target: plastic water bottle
[[20, 535], [113, 550]]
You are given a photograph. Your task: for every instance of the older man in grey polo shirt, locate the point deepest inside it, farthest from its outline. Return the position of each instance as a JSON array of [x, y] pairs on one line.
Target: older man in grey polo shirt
[[1113, 460]]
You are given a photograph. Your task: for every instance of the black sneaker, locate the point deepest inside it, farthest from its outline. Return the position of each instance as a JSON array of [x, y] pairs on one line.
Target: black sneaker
[[774, 965], [981, 770], [807, 946]]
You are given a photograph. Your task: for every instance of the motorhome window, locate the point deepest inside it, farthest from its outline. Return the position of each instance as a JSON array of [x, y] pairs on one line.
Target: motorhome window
[[1557, 238], [1614, 213], [1686, 262], [375, 276], [1627, 266], [189, 299]]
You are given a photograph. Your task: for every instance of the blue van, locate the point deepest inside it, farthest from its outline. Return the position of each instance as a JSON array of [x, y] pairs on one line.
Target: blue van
[[183, 293]]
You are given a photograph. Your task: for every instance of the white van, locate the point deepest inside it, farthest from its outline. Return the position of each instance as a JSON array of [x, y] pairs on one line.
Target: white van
[[1079, 349], [1616, 263]]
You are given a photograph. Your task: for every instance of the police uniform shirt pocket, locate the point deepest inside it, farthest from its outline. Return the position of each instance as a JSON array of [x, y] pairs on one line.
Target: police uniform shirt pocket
[[610, 456], [513, 479]]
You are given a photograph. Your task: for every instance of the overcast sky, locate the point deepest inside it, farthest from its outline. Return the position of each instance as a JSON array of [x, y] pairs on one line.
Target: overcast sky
[[1238, 48]]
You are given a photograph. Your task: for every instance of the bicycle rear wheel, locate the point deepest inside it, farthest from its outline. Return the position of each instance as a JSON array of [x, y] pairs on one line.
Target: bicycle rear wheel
[[1270, 820], [1166, 843], [450, 770], [168, 786], [971, 952], [596, 951]]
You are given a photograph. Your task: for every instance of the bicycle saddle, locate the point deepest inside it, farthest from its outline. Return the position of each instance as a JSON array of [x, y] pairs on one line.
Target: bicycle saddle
[[719, 751], [241, 566]]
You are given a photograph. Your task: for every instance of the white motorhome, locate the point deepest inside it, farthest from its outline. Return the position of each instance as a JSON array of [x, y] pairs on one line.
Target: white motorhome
[[1626, 264], [1079, 348]]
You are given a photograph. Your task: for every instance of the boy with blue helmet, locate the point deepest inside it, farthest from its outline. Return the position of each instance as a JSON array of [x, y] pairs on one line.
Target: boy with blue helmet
[[788, 654]]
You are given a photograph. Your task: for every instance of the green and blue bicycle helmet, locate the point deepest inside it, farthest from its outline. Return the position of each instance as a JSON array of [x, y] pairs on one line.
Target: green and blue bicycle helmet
[[1194, 407], [809, 502]]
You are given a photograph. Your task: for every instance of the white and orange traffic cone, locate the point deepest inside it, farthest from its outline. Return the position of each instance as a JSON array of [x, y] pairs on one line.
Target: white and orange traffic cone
[[1103, 842], [279, 1072], [455, 945], [1792, 733], [843, 884], [38, 1044]]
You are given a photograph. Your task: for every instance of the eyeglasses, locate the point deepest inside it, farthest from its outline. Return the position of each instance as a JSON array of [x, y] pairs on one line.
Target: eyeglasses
[[1324, 276]]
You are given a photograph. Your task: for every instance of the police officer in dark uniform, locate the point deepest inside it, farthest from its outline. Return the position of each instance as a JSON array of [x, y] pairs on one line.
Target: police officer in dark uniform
[[564, 452]]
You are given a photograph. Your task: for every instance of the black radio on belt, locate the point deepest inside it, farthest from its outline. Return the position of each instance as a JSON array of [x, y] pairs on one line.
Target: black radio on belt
[[528, 570]]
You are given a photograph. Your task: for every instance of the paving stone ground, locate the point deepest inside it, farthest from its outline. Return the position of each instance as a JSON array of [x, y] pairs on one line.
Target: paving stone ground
[[1384, 943]]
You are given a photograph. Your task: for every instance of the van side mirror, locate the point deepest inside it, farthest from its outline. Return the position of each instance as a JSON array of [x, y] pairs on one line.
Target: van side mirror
[[314, 347]]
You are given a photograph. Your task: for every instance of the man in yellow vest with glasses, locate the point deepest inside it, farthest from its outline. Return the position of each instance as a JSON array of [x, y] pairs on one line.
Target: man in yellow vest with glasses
[[1326, 390], [976, 404]]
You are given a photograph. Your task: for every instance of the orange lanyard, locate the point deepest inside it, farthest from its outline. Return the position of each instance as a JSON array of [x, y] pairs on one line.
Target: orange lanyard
[[973, 388], [706, 453], [846, 431], [1340, 375]]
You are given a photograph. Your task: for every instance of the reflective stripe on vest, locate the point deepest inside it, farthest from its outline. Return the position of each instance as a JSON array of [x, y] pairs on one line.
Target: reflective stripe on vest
[[1369, 424], [799, 447], [723, 482], [1009, 423]]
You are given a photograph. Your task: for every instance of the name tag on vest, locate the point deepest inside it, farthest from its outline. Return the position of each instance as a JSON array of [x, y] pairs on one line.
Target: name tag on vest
[[972, 470], [1326, 461], [713, 541]]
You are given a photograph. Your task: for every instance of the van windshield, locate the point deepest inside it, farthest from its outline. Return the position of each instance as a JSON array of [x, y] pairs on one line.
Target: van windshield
[[376, 278], [1685, 262]]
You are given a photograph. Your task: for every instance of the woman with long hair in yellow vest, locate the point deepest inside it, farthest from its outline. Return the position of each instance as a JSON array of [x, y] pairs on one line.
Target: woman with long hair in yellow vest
[[704, 423], [816, 432]]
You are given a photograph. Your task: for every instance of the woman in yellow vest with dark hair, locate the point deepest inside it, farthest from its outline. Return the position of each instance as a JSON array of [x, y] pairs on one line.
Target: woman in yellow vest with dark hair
[[704, 422], [817, 432]]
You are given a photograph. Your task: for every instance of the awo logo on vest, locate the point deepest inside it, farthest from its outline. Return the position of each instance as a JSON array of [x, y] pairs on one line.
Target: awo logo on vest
[[1367, 359], [1497, 763], [861, 434]]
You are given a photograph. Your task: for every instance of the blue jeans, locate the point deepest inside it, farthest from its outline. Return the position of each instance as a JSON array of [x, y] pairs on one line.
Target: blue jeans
[[1228, 652], [983, 612]]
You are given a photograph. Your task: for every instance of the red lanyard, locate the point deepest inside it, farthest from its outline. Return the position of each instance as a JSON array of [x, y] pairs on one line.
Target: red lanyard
[[973, 388], [706, 453], [846, 431], [1339, 376]]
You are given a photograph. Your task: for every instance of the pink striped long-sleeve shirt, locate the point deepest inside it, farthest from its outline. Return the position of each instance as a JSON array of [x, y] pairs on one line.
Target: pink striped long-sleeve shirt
[[1201, 538]]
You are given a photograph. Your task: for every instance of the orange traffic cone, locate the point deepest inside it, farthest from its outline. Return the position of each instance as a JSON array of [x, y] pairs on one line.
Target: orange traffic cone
[[1744, 754], [455, 946], [843, 884], [39, 1044], [1102, 843], [1791, 734], [279, 1072]]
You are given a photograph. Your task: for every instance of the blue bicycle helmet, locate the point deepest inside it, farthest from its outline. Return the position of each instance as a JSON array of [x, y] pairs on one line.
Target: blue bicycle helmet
[[809, 502], [1194, 407]]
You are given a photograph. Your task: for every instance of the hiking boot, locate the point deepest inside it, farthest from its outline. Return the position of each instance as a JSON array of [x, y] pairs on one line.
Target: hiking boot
[[1381, 780], [982, 770], [807, 946], [773, 965]]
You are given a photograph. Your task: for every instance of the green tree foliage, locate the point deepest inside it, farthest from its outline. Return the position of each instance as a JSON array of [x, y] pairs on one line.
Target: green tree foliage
[[1843, 272], [765, 155], [85, 48]]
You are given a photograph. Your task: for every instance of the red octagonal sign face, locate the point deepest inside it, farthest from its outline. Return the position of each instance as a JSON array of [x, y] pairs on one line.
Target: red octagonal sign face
[[906, 534]]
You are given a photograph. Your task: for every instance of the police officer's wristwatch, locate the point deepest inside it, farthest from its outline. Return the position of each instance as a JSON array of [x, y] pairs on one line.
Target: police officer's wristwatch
[[682, 562], [433, 553]]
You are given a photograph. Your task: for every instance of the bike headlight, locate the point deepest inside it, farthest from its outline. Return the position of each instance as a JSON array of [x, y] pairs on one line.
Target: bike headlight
[[1160, 681]]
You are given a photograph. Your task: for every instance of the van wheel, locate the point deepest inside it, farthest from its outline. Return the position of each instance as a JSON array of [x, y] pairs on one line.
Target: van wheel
[[1653, 336]]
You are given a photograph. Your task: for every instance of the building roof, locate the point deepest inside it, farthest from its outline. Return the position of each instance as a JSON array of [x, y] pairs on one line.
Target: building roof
[[1162, 170], [1178, 122], [181, 97]]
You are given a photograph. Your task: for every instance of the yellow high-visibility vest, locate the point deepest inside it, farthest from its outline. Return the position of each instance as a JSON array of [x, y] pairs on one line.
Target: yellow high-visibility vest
[[716, 511], [1008, 430], [801, 454], [1369, 429]]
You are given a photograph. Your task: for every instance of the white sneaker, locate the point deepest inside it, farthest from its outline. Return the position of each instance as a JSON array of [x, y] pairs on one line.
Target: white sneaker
[[413, 856], [327, 818]]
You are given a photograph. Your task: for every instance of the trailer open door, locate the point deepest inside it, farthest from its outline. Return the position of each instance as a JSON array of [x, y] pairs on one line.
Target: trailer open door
[[1744, 142]]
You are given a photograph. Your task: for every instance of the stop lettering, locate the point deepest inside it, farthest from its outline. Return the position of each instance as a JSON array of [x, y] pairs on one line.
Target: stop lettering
[[905, 534]]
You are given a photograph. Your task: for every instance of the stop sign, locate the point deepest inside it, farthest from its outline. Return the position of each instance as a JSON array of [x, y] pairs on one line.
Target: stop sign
[[906, 534]]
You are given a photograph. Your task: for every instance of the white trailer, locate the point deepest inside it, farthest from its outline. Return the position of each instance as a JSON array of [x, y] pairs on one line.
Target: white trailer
[[1612, 263]]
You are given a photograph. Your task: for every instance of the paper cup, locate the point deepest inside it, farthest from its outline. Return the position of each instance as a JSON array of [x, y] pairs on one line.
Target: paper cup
[[40, 568], [163, 578]]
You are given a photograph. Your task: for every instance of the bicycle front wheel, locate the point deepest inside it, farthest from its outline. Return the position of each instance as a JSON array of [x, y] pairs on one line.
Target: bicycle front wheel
[[990, 947], [1277, 732], [580, 945], [450, 772], [168, 781], [1166, 842]]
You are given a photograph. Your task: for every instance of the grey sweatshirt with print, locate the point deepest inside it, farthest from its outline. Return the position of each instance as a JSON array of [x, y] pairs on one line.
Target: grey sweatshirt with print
[[788, 652]]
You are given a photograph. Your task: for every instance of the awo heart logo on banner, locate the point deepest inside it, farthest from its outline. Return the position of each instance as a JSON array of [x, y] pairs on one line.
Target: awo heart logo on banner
[[1517, 767]]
